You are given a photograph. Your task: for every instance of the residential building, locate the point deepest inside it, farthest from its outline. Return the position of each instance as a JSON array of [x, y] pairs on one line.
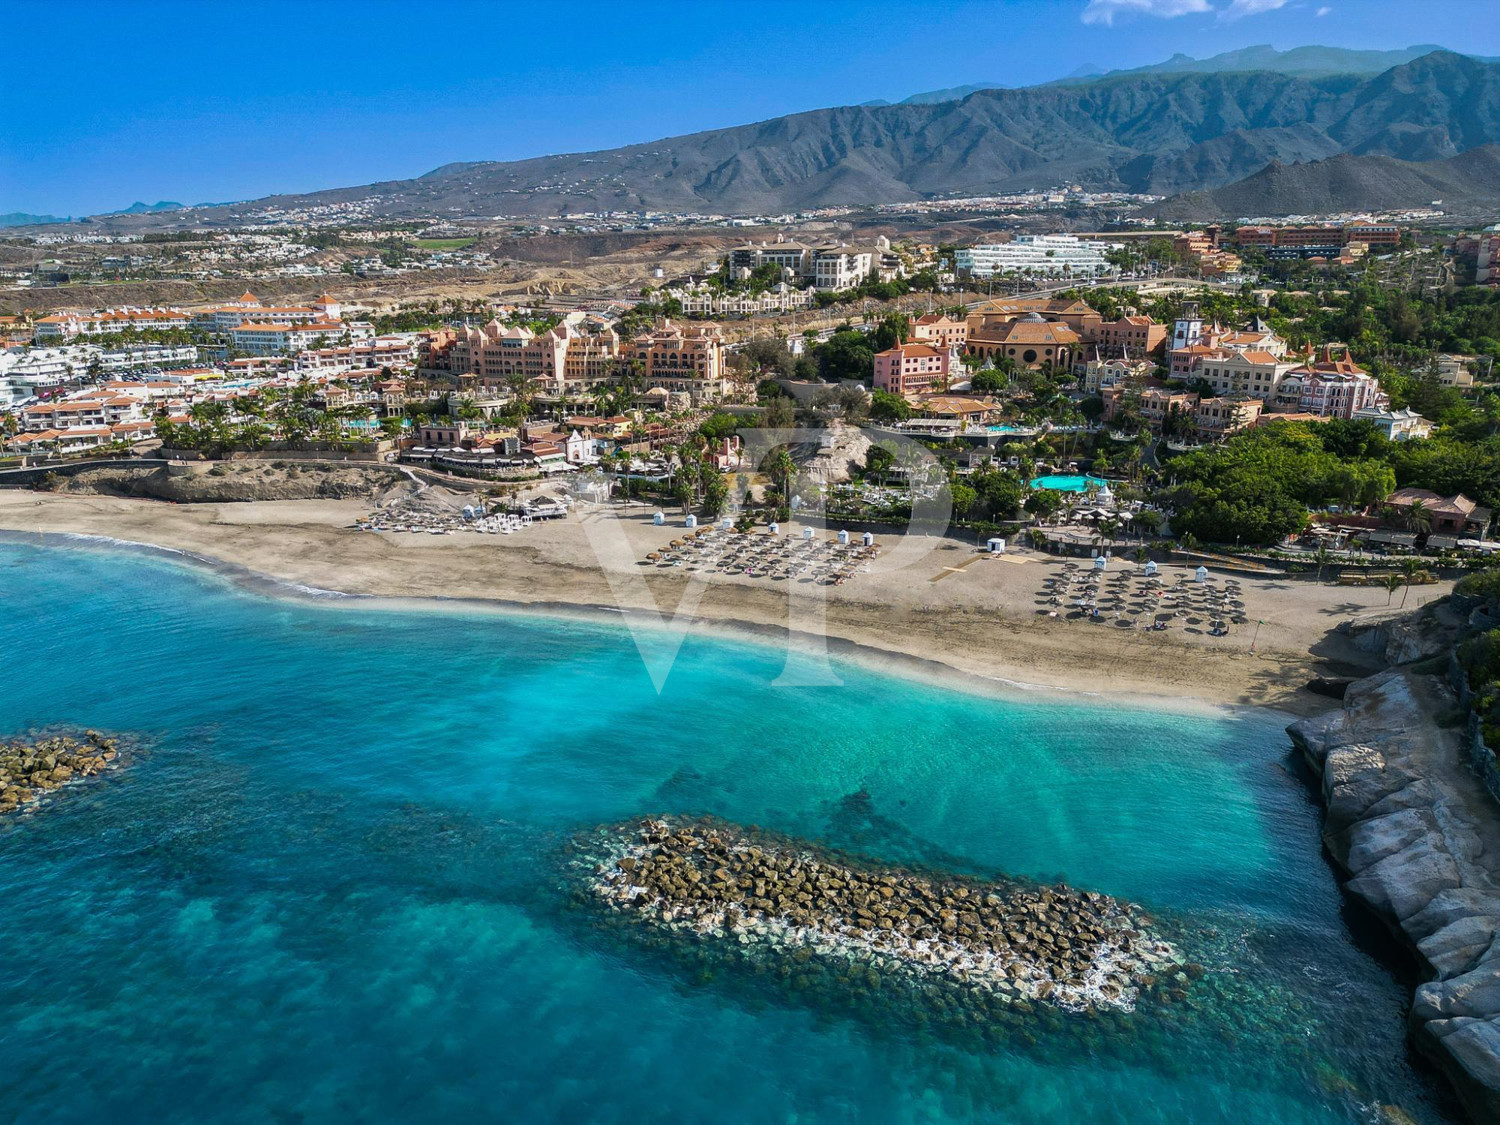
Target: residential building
[[1332, 385], [1099, 374], [699, 300], [1453, 370], [912, 368], [1396, 425], [1216, 418], [941, 331]]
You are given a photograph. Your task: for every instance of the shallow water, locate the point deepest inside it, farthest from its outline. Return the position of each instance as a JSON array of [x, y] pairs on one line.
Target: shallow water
[[328, 888]]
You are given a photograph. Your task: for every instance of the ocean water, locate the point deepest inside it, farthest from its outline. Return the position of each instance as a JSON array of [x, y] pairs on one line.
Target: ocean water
[[328, 887]]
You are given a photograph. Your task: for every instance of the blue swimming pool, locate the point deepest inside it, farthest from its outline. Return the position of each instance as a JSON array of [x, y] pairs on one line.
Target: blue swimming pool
[[1069, 482]]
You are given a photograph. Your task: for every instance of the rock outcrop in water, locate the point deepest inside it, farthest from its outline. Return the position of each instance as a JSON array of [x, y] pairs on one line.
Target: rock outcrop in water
[[1420, 839], [1017, 944], [30, 770]]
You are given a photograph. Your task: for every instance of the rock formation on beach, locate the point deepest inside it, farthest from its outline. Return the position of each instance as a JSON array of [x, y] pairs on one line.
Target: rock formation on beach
[[30, 770], [1420, 840], [1019, 945]]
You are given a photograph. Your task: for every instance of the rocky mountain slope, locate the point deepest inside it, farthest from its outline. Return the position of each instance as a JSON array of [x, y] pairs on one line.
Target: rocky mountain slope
[[1159, 133], [1469, 182]]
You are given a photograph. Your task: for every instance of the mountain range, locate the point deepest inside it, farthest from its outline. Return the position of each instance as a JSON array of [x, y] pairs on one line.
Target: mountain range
[[1470, 180], [1158, 132], [1308, 62]]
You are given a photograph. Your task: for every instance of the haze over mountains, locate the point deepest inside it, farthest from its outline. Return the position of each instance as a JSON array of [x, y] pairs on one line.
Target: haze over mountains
[[1165, 130], [1308, 62]]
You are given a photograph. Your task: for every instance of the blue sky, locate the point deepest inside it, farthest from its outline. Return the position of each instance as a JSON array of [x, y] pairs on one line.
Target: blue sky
[[107, 103]]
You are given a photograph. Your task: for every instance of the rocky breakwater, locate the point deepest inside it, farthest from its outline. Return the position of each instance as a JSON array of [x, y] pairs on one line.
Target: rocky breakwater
[[1017, 945], [1420, 840], [29, 770]]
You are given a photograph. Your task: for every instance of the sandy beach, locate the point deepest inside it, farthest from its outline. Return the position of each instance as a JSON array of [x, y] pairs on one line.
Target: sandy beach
[[935, 601]]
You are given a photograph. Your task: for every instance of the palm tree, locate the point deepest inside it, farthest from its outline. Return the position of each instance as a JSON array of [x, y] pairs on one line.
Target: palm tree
[[1418, 518], [782, 470], [1323, 558], [1410, 568], [1392, 583]]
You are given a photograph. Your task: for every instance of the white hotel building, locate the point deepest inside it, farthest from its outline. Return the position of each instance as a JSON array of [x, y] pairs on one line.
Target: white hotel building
[[1040, 255]]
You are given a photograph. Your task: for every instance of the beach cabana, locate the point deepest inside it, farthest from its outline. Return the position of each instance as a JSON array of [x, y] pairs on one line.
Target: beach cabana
[[658, 518], [1201, 574], [1151, 568], [1100, 563], [997, 546], [691, 521]]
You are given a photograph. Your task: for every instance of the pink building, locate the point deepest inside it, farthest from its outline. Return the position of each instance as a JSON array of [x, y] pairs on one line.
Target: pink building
[[912, 369], [1331, 386]]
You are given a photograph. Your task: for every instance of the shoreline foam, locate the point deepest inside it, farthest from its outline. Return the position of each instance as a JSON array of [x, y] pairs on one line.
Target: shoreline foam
[[882, 660]]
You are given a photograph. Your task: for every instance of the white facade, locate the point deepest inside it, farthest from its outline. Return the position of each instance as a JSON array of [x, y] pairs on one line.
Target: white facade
[[1044, 255]]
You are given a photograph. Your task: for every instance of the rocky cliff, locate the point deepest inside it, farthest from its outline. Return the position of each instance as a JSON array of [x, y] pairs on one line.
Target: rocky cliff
[[1420, 840], [222, 482]]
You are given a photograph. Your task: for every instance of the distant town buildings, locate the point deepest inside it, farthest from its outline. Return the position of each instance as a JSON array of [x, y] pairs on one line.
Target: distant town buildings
[[1329, 241], [1487, 259]]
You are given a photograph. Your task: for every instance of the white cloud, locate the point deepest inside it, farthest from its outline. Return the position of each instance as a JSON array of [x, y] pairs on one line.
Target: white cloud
[[1105, 11], [1240, 8], [1323, 12]]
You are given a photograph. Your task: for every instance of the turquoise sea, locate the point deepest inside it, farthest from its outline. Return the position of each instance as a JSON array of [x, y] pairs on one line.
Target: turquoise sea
[[327, 887]]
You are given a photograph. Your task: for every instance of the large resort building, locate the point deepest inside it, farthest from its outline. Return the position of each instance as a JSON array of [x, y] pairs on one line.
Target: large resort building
[[566, 360], [1036, 255], [1038, 332], [68, 325], [830, 268]]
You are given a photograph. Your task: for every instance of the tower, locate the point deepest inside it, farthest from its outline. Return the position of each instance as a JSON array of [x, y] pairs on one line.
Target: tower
[[1187, 329]]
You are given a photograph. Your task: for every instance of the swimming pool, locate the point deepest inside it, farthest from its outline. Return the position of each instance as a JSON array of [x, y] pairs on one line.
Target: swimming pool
[[1073, 482]]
